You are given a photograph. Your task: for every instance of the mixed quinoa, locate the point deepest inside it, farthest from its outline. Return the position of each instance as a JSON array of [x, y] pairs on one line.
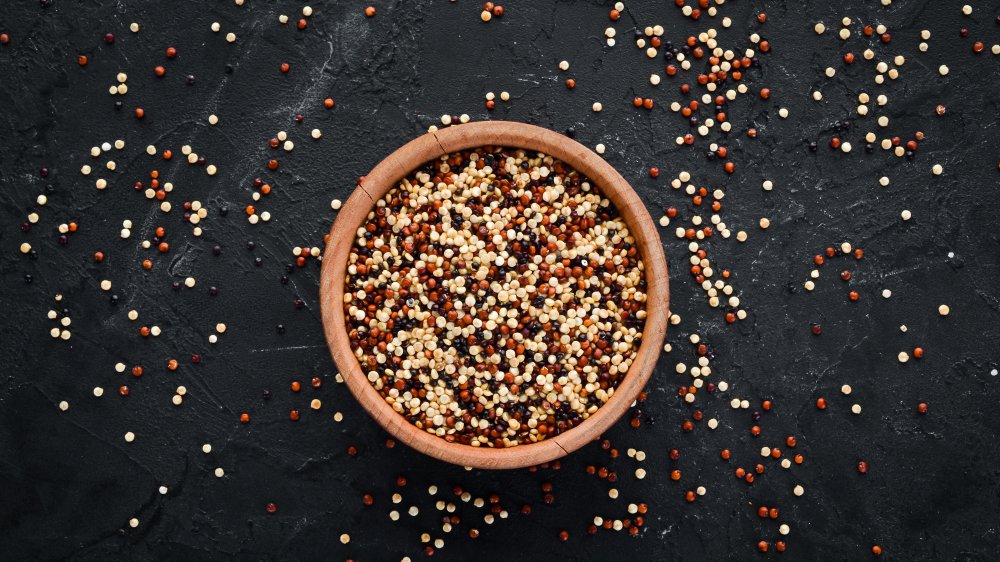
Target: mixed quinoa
[[495, 297]]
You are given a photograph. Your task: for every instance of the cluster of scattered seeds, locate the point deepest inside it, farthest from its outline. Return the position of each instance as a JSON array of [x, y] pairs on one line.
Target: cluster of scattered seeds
[[490, 11], [490, 103], [495, 297], [833, 252], [62, 321]]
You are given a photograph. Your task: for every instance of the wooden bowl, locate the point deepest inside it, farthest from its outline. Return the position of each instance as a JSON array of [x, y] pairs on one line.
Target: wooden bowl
[[415, 154]]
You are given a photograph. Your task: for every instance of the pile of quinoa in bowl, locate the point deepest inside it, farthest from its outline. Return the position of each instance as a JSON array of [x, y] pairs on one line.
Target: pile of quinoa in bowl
[[495, 297]]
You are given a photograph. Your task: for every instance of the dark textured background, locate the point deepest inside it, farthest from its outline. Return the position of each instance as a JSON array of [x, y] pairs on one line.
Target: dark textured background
[[69, 483]]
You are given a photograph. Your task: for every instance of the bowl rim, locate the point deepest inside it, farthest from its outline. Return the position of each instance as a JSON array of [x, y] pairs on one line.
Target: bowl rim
[[430, 146]]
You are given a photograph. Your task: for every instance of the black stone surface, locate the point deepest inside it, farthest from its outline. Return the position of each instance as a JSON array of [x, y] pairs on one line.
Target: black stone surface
[[69, 483]]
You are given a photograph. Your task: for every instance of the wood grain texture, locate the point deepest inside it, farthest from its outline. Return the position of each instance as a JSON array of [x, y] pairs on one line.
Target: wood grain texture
[[387, 175]]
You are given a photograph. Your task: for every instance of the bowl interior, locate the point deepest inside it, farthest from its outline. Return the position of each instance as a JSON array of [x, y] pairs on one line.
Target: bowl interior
[[430, 146]]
